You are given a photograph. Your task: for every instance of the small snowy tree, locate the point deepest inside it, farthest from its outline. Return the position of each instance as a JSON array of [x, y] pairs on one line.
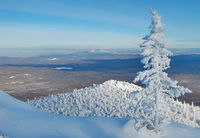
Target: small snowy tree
[[159, 87]]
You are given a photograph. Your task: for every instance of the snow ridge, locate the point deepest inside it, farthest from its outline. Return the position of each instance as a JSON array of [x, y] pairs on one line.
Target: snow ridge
[[112, 99]]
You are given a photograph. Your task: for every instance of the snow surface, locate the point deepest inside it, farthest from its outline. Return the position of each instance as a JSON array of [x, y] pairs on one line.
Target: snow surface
[[20, 120], [63, 68], [52, 59], [112, 99]]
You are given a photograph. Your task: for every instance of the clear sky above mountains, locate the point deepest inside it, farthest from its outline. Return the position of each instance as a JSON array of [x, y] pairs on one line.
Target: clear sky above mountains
[[96, 23]]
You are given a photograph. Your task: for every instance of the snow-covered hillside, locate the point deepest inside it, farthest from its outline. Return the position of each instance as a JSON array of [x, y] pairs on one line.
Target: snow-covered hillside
[[20, 120], [112, 99]]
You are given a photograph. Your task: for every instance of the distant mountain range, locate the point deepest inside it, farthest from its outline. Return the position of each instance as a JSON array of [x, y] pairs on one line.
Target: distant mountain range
[[35, 52]]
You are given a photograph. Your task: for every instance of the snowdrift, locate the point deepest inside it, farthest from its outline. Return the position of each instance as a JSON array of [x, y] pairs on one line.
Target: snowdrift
[[112, 99]]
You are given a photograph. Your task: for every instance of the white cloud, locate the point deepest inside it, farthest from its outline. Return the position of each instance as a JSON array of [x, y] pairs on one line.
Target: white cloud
[[49, 37]]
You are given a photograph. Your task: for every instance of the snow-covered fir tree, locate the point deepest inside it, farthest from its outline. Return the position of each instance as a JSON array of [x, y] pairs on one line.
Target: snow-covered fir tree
[[158, 86]]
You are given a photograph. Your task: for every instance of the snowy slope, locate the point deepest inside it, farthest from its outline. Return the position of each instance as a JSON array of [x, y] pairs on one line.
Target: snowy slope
[[20, 120], [112, 99]]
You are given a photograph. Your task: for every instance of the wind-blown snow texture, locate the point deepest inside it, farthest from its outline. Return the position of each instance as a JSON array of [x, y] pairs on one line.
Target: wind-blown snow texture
[[112, 99]]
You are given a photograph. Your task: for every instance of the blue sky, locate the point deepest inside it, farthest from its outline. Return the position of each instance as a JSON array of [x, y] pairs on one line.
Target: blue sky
[[96, 24]]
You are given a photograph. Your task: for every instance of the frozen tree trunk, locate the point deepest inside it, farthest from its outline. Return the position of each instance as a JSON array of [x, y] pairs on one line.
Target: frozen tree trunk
[[156, 112]]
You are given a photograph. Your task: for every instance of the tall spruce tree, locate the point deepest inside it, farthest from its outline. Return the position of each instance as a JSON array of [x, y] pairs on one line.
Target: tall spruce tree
[[158, 86]]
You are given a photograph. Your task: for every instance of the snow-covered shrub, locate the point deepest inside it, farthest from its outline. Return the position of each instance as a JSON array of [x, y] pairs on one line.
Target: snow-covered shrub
[[108, 99], [184, 113]]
